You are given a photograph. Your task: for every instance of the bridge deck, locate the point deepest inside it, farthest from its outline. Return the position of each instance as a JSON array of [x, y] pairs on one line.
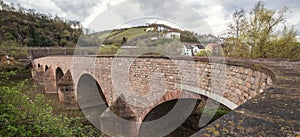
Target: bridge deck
[[276, 112]]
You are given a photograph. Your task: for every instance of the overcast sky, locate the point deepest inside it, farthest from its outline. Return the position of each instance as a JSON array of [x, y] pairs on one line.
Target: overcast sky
[[207, 16]]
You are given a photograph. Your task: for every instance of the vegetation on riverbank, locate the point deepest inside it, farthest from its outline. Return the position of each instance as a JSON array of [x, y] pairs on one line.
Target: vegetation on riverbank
[[25, 112]]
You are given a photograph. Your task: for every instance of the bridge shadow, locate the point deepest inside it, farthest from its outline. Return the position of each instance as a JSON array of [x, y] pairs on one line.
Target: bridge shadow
[[167, 117], [91, 99], [156, 124]]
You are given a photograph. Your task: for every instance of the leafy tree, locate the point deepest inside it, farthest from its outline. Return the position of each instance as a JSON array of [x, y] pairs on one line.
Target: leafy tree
[[9, 36], [63, 42], [261, 29], [124, 40], [295, 51], [28, 42], [66, 34], [186, 36], [238, 25], [234, 45], [20, 8], [261, 34], [4, 6], [12, 7]]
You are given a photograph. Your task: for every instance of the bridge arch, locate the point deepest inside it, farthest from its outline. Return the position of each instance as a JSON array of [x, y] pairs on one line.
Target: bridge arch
[[91, 99], [58, 74], [40, 69], [212, 95], [46, 68], [175, 111]]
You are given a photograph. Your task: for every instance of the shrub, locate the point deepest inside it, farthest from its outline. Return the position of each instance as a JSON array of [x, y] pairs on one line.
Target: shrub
[[203, 53]]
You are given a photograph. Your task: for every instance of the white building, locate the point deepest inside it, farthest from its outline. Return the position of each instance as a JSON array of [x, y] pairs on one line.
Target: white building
[[149, 29], [172, 35], [198, 48], [190, 50], [187, 50], [162, 28]]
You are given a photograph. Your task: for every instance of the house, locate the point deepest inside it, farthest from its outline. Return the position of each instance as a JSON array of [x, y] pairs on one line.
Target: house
[[187, 50], [150, 29], [197, 48], [156, 27], [171, 35], [192, 49], [162, 28]]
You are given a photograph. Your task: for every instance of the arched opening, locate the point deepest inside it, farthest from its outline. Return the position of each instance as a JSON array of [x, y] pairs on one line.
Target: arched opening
[[187, 127], [161, 110], [46, 68], [59, 74], [91, 99], [39, 65], [167, 117]]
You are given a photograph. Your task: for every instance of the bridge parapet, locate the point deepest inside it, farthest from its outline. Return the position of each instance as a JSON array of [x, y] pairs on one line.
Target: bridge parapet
[[271, 113], [242, 80]]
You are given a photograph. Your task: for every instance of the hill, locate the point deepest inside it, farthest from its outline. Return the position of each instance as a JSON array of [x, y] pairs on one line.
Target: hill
[[25, 27], [20, 28], [130, 36]]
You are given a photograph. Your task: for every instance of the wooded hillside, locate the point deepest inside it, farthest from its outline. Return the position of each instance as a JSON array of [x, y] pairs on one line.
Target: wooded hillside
[[26, 27]]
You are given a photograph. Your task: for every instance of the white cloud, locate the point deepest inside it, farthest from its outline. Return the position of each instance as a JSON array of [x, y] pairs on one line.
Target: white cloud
[[47, 6], [216, 12], [215, 17]]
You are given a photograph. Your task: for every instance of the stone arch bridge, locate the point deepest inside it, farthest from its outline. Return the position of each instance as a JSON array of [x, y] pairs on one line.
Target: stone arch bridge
[[132, 87]]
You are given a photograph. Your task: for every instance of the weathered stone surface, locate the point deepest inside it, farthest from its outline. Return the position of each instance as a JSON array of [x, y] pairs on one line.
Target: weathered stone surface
[[275, 112], [66, 93]]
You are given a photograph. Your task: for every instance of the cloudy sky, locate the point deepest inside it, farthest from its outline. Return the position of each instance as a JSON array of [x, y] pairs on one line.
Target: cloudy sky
[[209, 16]]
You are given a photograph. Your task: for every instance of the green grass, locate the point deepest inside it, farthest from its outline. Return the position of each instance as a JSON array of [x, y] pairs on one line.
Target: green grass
[[131, 33], [104, 35], [118, 35]]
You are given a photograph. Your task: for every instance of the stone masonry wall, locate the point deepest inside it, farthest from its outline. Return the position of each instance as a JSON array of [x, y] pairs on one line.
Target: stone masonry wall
[[236, 81]]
